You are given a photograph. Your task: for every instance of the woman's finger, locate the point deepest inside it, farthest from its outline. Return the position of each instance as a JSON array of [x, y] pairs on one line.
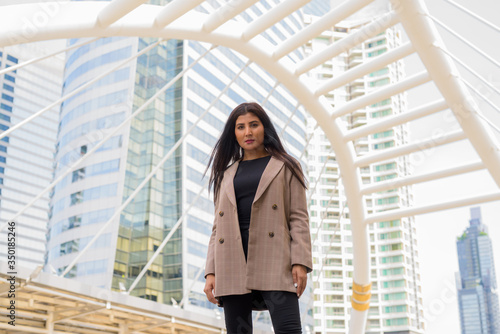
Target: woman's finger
[[301, 288], [302, 285], [210, 297]]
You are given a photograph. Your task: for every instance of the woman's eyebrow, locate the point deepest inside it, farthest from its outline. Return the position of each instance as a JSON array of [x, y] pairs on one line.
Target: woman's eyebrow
[[248, 122]]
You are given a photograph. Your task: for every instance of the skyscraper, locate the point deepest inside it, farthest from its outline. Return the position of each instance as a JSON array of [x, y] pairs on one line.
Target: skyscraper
[[476, 282], [396, 302], [27, 153], [88, 197]]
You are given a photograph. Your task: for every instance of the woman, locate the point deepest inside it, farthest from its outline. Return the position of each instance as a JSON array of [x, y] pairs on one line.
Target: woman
[[259, 252]]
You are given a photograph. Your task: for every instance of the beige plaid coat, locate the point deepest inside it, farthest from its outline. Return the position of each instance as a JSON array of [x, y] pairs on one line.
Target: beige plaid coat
[[279, 235]]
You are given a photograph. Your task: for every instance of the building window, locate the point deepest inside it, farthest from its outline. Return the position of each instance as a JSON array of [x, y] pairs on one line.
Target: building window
[[396, 322], [76, 198], [78, 175], [392, 271]]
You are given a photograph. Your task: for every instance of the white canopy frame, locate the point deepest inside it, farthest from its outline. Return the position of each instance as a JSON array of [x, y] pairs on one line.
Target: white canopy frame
[[177, 20]]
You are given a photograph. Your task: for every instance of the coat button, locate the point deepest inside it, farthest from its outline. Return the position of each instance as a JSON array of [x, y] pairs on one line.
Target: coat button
[[221, 240], [221, 213], [271, 234], [275, 206]]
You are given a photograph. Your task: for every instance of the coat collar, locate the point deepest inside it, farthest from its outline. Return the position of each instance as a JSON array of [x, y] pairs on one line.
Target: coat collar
[[272, 169]]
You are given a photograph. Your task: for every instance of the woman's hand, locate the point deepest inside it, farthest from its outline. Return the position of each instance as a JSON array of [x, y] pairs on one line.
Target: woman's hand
[[299, 273], [209, 288]]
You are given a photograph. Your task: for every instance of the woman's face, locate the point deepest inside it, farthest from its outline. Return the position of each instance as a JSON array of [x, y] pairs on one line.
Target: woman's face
[[249, 133]]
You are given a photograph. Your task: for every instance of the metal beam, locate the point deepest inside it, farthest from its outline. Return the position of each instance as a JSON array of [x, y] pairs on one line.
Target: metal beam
[[365, 68], [86, 311], [434, 207], [272, 16], [326, 22], [158, 324], [26, 329], [370, 30], [36, 60], [226, 13], [397, 151], [173, 10], [395, 120], [409, 180], [382, 94]]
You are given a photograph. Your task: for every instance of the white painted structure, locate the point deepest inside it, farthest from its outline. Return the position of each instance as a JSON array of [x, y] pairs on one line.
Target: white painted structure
[[54, 20]]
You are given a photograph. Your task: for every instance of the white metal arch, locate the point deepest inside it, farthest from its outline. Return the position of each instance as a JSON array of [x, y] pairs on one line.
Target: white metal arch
[[56, 20]]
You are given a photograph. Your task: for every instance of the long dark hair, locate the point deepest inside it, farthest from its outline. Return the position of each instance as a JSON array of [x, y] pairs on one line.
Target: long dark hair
[[227, 150]]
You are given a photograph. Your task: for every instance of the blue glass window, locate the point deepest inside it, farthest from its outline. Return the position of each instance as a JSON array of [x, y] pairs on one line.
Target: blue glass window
[[6, 107], [103, 167], [202, 135], [197, 154], [112, 78], [8, 87], [101, 123], [7, 98], [209, 118], [201, 203], [101, 60], [10, 78], [197, 248], [108, 190], [100, 102], [195, 176], [199, 225], [12, 59], [5, 118]]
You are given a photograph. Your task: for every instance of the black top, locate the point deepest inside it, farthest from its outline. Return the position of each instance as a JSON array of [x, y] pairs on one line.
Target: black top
[[246, 180]]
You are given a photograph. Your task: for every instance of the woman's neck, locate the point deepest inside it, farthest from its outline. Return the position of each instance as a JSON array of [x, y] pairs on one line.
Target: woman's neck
[[254, 155]]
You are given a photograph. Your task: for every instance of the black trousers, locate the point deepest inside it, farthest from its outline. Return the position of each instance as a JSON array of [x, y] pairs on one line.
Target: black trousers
[[283, 307]]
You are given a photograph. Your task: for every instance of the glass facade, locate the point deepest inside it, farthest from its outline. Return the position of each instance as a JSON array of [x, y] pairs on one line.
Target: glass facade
[[26, 155], [146, 221], [476, 281], [7, 101]]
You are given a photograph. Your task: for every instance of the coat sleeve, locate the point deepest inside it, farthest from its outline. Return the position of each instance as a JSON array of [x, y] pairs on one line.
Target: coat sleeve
[[301, 252], [210, 263]]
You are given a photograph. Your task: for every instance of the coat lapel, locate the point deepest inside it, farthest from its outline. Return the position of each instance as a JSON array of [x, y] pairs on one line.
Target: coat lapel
[[272, 169], [228, 184]]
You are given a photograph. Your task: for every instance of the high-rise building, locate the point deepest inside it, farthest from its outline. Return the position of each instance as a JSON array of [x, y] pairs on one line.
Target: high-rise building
[[88, 197], [27, 154], [476, 282], [396, 302]]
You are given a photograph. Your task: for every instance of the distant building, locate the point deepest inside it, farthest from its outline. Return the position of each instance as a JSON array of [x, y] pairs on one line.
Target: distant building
[[476, 281], [396, 302]]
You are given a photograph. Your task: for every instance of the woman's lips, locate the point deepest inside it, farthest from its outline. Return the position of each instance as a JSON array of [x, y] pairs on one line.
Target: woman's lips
[[249, 141]]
